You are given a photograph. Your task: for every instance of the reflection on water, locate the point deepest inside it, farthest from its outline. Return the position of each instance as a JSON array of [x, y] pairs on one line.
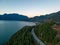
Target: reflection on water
[[8, 28]]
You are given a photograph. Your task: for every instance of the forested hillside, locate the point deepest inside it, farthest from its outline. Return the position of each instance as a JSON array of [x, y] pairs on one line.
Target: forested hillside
[[47, 34], [22, 37]]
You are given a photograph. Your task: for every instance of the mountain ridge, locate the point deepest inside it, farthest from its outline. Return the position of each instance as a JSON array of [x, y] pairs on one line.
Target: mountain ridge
[[18, 17], [14, 16], [53, 16]]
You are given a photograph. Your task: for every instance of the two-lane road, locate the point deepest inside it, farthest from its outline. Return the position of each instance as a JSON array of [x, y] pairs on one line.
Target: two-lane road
[[36, 38]]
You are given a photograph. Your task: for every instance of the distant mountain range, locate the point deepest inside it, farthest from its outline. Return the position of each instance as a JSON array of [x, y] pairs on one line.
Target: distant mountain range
[[15, 17], [53, 16]]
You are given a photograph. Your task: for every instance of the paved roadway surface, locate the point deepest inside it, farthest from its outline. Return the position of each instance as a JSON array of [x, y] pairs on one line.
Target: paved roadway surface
[[36, 38]]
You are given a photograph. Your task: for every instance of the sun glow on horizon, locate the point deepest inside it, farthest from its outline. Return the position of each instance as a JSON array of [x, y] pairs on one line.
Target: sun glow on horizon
[[29, 14], [29, 8]]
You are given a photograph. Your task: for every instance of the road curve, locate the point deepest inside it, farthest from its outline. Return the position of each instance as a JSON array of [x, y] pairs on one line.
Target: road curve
[[36, 38]]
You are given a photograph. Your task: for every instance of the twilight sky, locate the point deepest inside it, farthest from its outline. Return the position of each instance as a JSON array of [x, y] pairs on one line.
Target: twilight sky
[[29, 8]]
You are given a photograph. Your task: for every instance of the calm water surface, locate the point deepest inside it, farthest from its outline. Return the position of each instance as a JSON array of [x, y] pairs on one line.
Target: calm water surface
[[8, 28]]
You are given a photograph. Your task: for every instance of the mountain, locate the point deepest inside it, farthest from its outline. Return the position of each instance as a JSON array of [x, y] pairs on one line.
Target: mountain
[[38, 18], [53, 16], [43, 18], [16, 17]]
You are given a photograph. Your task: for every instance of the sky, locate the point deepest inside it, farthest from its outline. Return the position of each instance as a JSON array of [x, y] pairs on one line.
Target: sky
[[29, 8]]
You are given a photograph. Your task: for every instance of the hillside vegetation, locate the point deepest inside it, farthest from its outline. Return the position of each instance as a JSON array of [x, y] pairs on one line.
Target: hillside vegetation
[[44, 32], [47, 34], [22, 37]]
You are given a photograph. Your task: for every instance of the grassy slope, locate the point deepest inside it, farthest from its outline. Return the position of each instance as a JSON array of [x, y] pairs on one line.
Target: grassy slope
[[46, 34], [22, 37]]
